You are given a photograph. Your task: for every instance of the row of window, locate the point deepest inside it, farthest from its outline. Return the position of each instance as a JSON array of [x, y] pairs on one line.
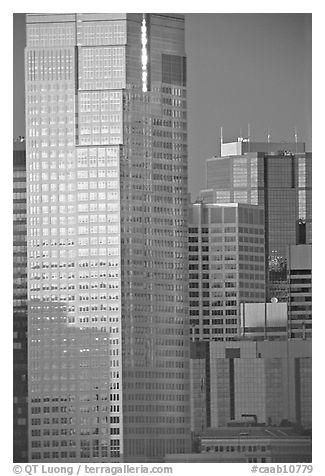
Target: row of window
[[215, 330], [214, 312], [226, 229], [73, 454], [237, 448]]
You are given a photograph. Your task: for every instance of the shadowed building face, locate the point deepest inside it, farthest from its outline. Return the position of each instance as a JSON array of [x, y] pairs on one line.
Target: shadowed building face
[[19, 304]]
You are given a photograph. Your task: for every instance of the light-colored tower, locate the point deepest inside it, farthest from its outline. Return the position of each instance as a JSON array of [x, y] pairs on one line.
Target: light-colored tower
[[226, 266], [107, 236]]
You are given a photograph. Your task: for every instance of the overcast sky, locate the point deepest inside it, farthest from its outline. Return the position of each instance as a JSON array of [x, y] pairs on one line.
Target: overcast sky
[[242, 68]]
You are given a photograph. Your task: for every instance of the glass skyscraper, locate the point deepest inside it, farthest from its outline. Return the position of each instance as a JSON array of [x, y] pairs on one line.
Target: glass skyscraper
[[106, 147], [276, 176]]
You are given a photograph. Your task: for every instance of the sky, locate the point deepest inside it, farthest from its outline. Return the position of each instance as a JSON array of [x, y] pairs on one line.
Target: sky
[[242, 68]]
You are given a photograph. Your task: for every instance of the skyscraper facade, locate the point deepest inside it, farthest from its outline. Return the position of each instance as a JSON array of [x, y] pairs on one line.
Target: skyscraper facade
[[20, 416], [107, 236], [226, 267], [276, 176]]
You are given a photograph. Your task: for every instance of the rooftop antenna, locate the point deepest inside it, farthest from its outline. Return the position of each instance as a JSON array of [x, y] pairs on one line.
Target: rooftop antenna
[[268, 138], [240, 134], [249, 136], [296, 139], [221, 139]]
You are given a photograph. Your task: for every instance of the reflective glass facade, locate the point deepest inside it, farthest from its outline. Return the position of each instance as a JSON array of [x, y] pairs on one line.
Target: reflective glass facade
[[107, 237]]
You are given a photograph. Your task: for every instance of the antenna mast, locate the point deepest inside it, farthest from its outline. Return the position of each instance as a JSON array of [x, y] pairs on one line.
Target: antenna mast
[[249, 136], [221, 139]]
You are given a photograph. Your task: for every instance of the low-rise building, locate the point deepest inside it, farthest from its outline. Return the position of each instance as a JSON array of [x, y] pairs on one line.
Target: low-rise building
[[250, 444]]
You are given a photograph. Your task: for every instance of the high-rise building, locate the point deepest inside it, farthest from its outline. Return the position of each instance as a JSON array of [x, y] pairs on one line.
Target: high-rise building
[[226, 266], [276, 176], [20, 417], [106, 149]]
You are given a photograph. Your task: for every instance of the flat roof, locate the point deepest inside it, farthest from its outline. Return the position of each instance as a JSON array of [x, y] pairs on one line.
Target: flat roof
[[250, 432]]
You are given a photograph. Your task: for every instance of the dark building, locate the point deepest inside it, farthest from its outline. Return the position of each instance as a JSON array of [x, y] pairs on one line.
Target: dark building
[[269, 381], [273, 175], [20, 414], [244, 443], [258, 444]]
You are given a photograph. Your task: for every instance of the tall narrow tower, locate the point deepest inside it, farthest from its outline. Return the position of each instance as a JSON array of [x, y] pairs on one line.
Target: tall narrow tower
[[107, 236], [19, 304]]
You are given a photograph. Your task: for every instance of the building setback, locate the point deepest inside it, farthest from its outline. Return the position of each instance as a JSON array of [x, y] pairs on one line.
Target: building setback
[[20, 417], [106, 146], [226, 267]]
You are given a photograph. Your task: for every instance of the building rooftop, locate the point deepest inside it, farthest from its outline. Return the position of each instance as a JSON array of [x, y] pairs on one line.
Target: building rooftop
[[248, 432], [244, 146], [19, 143]]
